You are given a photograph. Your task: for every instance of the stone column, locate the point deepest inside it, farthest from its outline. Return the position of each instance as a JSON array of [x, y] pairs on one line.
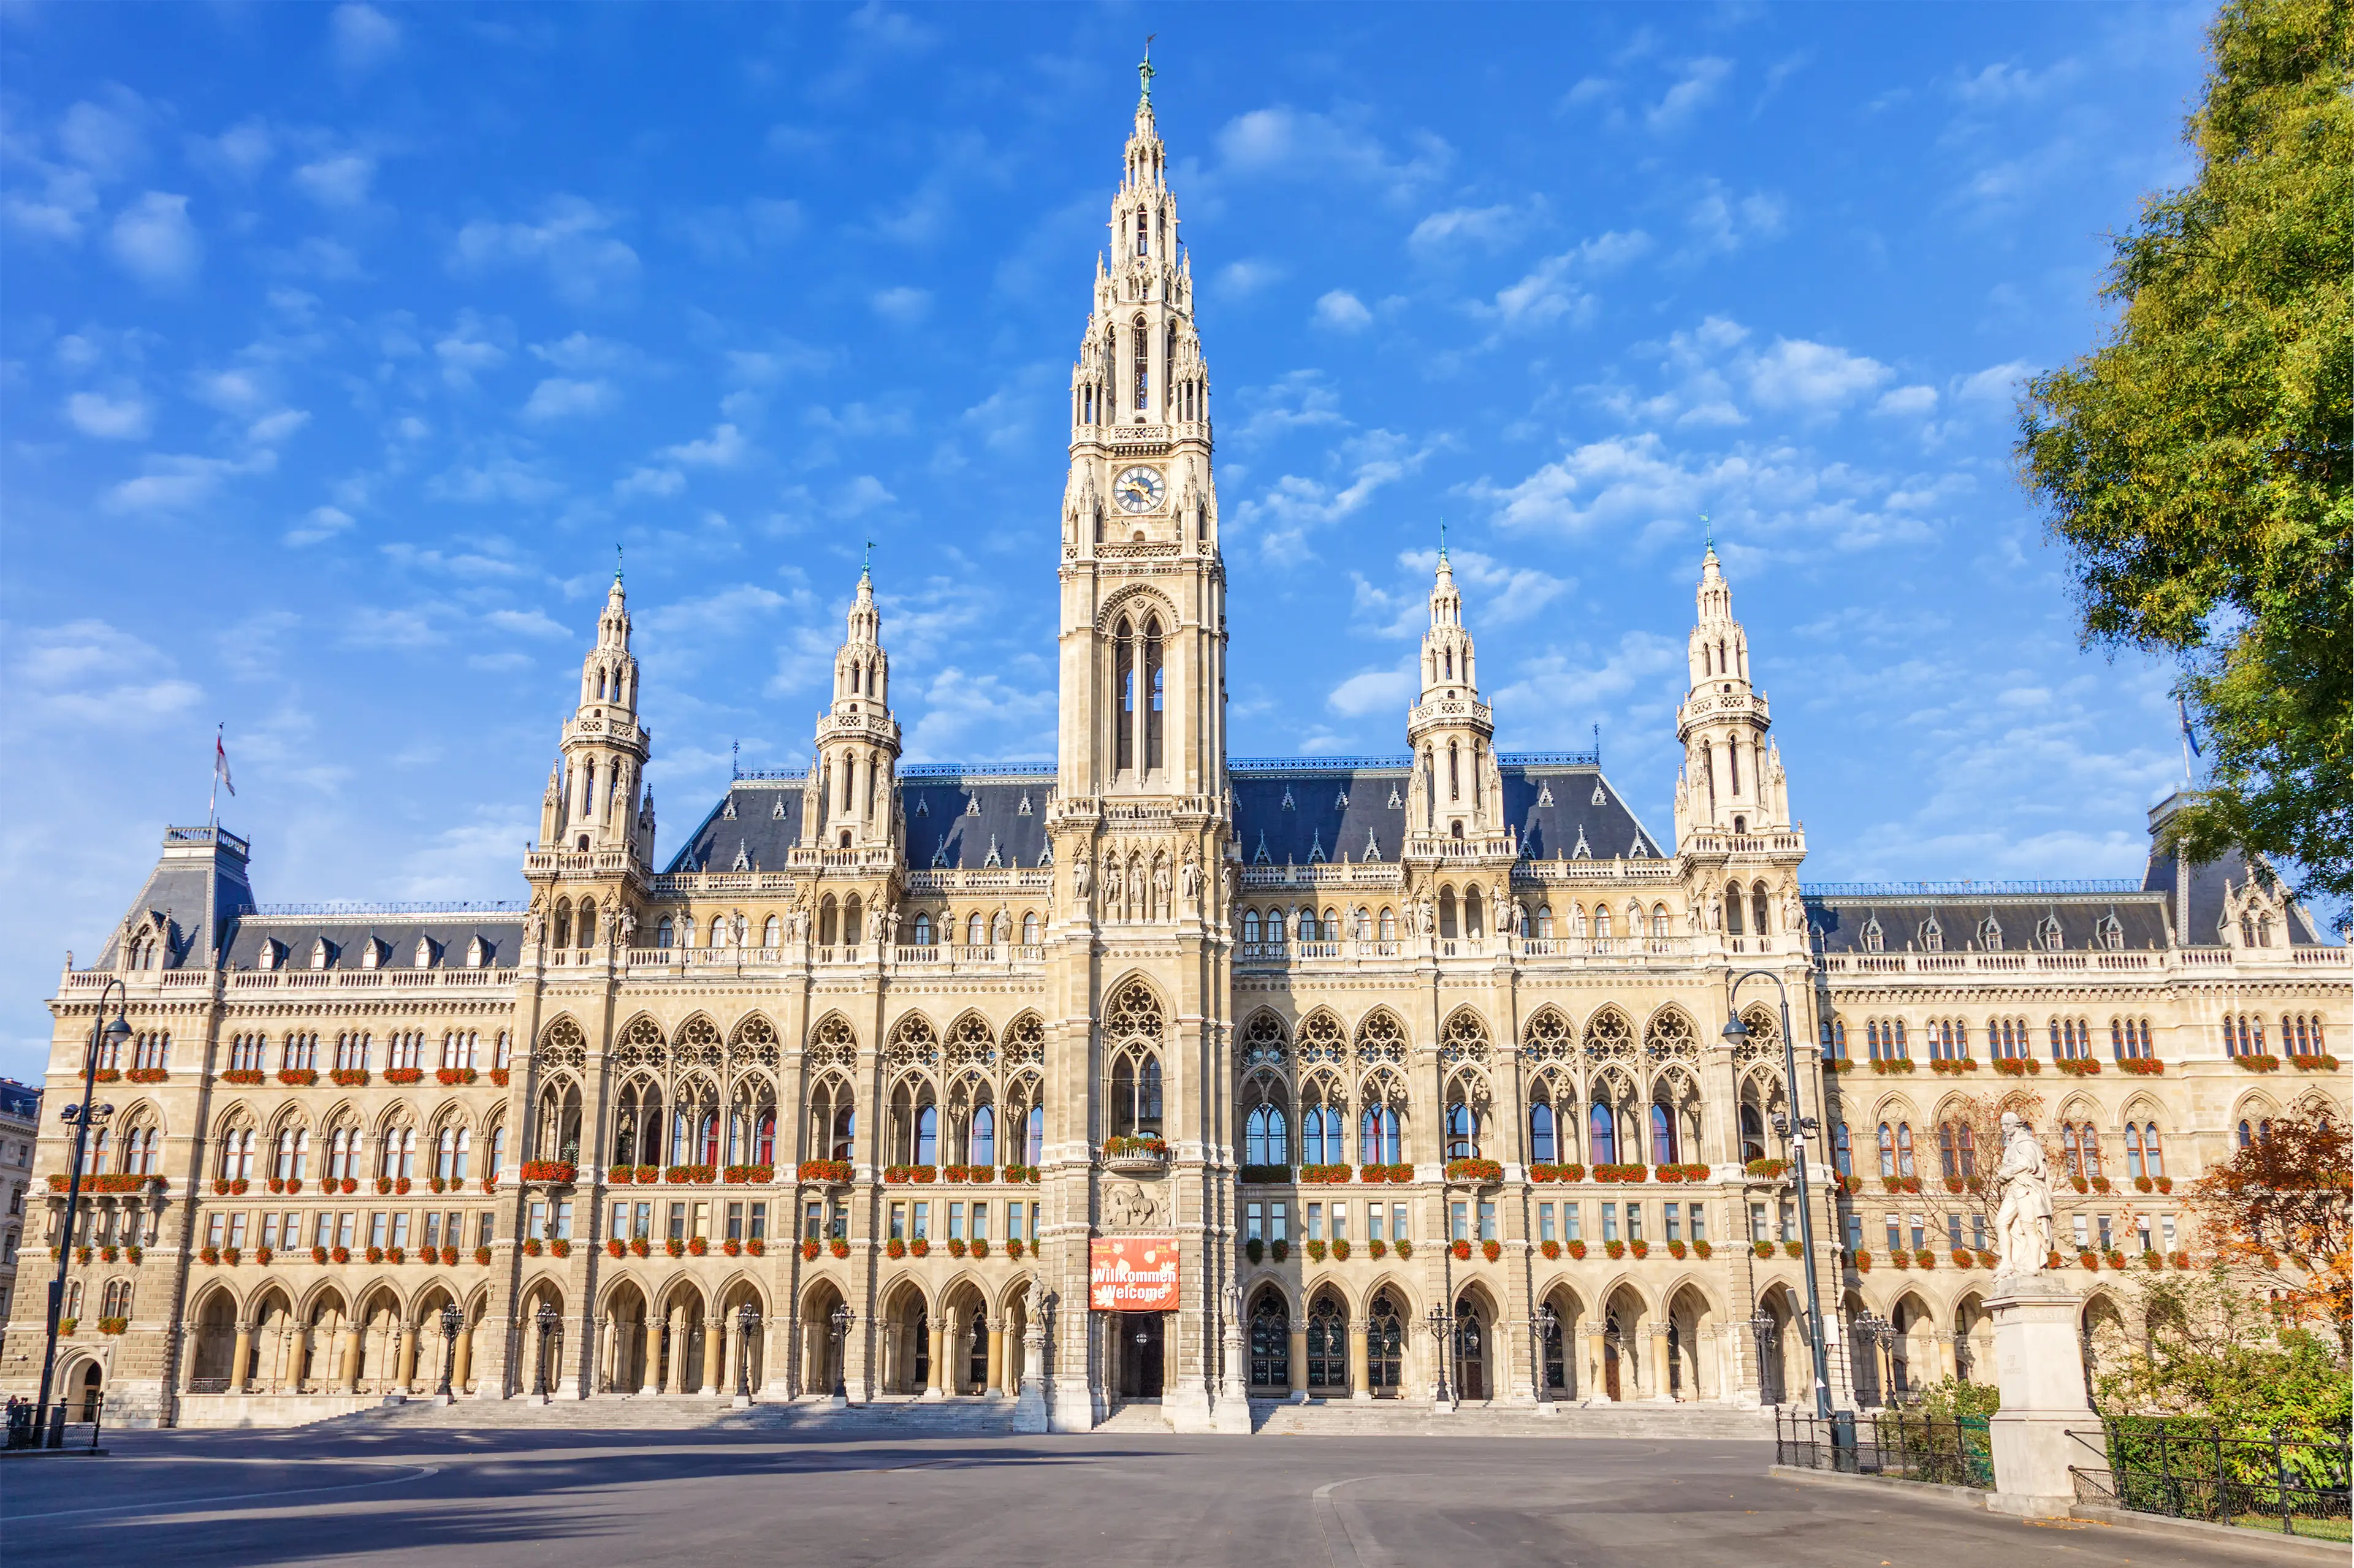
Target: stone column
[[2038, 1367], [715, 1355], [1360, 1375], [674, 1374], [1945, 1364], [1597, 1382], [1662, 1387], [240, 1358], [608, 1341], [1030, 1405], [935, 1384], [407, 1378], [1299, 1361], [347, 1374], [996, 1356], [463, 1368]]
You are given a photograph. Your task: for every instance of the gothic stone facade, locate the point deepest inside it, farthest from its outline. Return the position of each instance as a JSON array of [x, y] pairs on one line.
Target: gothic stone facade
[[884, 1052]]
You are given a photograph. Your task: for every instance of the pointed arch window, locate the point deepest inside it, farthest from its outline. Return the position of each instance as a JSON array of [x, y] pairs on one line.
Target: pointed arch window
[[1152, 681], [1378, 1136], [1124, 681], [1601, 1134], [1543, 1145]]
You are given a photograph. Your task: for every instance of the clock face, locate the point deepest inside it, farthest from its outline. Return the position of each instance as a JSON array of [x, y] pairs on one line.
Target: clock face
[[1139, 488]]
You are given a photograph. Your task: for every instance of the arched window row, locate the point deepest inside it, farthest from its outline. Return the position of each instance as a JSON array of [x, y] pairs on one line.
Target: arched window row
[[2071, 1039], [2080, 1149], [1885, 1039], [2301, 1035], [2243, 1035], [1759, 897], [1575, 924], [2130, 1039]]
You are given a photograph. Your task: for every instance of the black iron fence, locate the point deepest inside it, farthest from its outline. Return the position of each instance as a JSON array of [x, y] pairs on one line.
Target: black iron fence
[[27, 1430], [1900, 1445], [2186, 1468]]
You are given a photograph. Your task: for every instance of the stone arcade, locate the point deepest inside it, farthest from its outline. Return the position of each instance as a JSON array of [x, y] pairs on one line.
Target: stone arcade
[[1148, 1073]]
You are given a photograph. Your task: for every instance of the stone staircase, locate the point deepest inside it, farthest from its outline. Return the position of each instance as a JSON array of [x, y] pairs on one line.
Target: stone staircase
[[1136, 1417], [1386, 1418], [655, 1413]]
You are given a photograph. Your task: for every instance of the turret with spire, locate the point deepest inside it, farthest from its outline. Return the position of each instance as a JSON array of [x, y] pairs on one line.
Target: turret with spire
[[1732, 782], [595, 798], [1457, 797], [848, 804]]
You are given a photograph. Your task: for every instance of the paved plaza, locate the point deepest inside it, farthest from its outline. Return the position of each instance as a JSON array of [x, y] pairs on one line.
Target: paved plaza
[[715, 1498]]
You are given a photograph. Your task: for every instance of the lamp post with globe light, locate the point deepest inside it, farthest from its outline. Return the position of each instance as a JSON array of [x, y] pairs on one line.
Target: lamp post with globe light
[[81, 1118]]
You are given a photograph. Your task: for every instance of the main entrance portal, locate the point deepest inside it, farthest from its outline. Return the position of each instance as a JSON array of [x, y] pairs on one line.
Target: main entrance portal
[[1140, 1353]]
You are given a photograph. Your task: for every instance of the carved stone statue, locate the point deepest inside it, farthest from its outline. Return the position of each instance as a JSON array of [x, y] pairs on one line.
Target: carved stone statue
[[736, 928], [1082, 878], [1519, 918], [891, 923], [2024, 1220], [1127, 1206], [1794, 912], [1115, 882], [1715, 911], [1189, 879], [1160, 886], [629, 925], [1233, 1293]]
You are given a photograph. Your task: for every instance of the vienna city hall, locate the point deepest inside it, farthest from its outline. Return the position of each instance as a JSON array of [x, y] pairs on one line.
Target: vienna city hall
[[1148, 1075]]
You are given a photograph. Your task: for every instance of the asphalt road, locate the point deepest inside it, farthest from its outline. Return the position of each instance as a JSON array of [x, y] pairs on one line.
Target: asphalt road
[[583, 1498]]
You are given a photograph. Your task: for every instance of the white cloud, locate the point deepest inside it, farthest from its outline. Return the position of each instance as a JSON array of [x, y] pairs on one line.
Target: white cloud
[[108, 419], [1690, 94], [467, 350], [1284, 143], [1549, 292], [362, 38], [108, 142], [1301, 400], [561, 398], [580, 353], [1297, 505], [1907, 402], [156, 243], [903, 304], [981, 717], [240, 150], [1797, 373], [272, 429], [231, 391], [1373, 690], [1720, 222], [1503, 593], [1484, 226], [585, 263], [528, 623], [1343, 310], [319, 523], [653, 482], [340, 181], [724, 448], [1240, 280], [87, 671], [174, 483], [1996, 382]]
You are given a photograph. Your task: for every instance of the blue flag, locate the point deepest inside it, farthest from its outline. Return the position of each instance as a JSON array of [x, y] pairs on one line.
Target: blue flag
[[2189, 735]]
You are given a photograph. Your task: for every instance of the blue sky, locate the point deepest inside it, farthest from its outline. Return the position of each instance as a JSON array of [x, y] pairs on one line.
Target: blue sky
[[341, 344]]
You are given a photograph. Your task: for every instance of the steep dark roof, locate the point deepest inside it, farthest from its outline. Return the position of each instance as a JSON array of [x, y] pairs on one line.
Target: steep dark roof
[[19, 1101], [953, 818], [1294, 813], [348, 931], [199, 884], [1840, 919]]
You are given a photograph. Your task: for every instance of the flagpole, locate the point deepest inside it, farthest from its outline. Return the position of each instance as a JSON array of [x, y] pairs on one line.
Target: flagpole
[[212, 797]]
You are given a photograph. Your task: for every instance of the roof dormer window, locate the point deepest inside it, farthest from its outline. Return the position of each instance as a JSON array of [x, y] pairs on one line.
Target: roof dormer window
[[1873, 941], [477, 954], [321, 954], [424, 957]]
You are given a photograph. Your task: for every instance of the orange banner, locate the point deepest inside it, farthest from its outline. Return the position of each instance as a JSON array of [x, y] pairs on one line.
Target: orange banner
[[1132, 1274]]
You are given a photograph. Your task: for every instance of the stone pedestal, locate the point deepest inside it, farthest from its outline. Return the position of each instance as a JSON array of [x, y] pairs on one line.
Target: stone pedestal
[[1029, 1400], [1232, 1413], [2039, 1368]]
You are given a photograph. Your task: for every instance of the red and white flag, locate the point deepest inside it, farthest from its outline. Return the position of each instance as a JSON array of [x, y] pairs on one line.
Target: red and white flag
[[220, 777]]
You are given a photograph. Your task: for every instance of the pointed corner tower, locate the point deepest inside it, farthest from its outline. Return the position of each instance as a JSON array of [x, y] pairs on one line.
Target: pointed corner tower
[[848, 815], [595, 801], [1456, 804], [1734, 826]]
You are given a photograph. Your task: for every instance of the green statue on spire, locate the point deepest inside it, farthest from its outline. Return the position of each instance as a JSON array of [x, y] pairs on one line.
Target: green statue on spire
[[1144, 71], [616, 563]]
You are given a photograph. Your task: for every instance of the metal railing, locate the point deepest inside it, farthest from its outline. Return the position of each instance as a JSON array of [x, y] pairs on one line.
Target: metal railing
[[25, 1430], [2187, 1469], [1950, 1451]]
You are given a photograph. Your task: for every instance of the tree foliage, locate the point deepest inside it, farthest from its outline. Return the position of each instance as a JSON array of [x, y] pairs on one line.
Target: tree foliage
[[2205, 1348], [2196, 465], [2276, 1216]]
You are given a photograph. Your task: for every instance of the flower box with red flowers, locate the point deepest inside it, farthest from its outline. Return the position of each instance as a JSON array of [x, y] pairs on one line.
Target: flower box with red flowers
[[1326, 1175], [755, 1247], [1639, 1249], [740, 1175], [981, 1175], [1676, 1250], [1900, 1183], [1963, 1258], [1701, 1249], [1462, 1251], [1314, 1248], [1850, 1183], [809, 1250], [921, 1246], [1613, 1249], [1020, 1174], [81, 1254], [404, 1076], [298, 1078], [1260, 1175], [615, 1248], [1550, 1249], [1136, 1150], [1474, 1170], [1255, 1249], [829, 1171], [262, 1256], [107, 1076], [531, 1247], [2149, 1065], [894, 1247], [1400, 1172], [639, 1246], [1622, 1173], [1686, 1172], [1576, 1249], [113, 1325], [2265, 1063], [451, 1077], [1014, 1247], [349, 1077], [245, 1075], [2179, 1259], [2313, 1061], [696, 1246], [1901, 1258], [621, 1175], [839, 1248], [210, 1254], [955, 1247], [500, 1075], [675, 1246], [1279, 1249], [1403, 1247], [2017, 1066], [1955, 1067], [1863, 1263], [490, 1184], [1887, 1064], [1766, 1169], [556, 1170], [1491, 1250], [339, 1255], [318, 1254], [2079, 1067], [901, 1175], [981, 1246], [691, 1175], [2088, 1258]]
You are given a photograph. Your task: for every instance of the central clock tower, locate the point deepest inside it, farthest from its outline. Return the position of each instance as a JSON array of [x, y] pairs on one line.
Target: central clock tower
[[1139, 835]]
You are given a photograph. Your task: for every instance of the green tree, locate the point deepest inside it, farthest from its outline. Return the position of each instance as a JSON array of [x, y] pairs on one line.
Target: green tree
[[2197, 464]]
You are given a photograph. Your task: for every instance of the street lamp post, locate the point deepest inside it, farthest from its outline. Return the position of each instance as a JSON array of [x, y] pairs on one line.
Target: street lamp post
[[81, 1118], [748, 1323], [1797, 1130], [841, 1319], [1761, 1328], [546, 1318], [452, 1321], [1546, 1325], [1867, 1331], [1441, 1322]]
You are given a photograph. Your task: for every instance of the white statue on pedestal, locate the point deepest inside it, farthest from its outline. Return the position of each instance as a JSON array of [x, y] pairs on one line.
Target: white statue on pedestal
[[2023, 1221]]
